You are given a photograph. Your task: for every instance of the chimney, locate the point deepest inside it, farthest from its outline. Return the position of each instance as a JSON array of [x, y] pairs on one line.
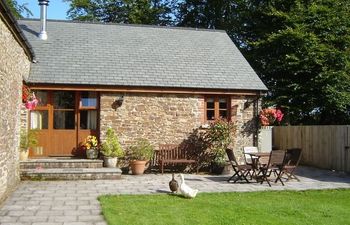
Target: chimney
[[43, 16]]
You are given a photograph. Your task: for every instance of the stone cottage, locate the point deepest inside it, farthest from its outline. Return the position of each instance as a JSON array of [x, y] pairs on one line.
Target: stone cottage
[[158, 83], [15, 58]]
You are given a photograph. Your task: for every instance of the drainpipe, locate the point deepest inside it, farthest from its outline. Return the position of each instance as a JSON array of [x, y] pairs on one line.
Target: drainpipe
[[43, 17]]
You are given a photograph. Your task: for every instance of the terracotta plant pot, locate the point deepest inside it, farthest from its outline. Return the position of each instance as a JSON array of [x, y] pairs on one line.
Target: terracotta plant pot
[[110, 162], [138, 166]]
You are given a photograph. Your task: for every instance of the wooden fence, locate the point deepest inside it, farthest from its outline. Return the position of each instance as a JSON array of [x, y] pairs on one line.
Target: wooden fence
[[322, 146]]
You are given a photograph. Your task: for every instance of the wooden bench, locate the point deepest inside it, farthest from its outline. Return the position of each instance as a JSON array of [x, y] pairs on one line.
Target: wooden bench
[[173, 154]]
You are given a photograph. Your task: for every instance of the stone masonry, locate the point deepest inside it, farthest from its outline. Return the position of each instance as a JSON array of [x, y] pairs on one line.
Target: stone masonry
[[14, 66], [244, 111], [160, 118], [169, 118]]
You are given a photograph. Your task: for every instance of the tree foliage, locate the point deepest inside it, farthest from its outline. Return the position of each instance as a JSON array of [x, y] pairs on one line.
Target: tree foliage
[[154, 12], [304, 58], [300, 49], [18, 10]]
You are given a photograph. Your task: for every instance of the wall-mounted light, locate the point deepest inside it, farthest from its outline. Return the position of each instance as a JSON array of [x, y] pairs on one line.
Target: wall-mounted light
[[118, 102], [249, 102]]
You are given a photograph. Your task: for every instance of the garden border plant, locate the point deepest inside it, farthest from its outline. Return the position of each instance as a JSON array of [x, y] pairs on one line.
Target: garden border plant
[[220, 136], [111, 149]]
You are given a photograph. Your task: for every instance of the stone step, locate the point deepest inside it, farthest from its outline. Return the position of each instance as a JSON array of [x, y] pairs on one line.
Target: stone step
[[61, 163], [71, 174]]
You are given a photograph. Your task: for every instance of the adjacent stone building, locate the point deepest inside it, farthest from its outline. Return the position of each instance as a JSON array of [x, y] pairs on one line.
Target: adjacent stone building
[[158, 83], [15, 58]]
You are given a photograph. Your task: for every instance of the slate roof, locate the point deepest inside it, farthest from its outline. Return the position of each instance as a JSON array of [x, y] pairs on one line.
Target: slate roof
[[6, 15], [143, 56]]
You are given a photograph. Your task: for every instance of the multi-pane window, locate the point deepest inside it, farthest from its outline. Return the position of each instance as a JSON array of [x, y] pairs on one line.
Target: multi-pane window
[[61, 107], [217, 108]]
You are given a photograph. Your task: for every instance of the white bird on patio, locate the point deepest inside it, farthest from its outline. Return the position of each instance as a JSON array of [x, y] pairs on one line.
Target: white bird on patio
[[185, 190]]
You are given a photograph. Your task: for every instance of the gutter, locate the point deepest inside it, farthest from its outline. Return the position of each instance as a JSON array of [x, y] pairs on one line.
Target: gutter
[[11, 22]]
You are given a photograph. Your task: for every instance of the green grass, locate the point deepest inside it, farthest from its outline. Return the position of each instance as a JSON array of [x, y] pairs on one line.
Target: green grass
[[272, 207]]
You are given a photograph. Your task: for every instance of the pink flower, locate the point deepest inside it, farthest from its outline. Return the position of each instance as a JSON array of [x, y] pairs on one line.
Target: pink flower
[[31, 104], [268, 116], [279, 115]]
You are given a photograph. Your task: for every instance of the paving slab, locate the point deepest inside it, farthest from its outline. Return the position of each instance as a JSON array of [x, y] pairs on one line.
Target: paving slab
[[75, 202]]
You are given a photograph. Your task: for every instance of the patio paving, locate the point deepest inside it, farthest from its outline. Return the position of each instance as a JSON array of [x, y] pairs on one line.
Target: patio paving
[[75, 202]]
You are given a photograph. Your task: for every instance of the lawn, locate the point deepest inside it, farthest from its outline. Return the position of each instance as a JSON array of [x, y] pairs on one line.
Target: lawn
[[270, 207]]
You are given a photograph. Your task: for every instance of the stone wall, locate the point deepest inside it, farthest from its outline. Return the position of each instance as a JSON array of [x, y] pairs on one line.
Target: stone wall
[[170, 118], [244, 110], [160, 118], [14, 66]]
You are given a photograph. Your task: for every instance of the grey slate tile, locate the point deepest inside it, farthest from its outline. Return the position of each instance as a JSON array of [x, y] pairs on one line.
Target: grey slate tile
[[105, 54]]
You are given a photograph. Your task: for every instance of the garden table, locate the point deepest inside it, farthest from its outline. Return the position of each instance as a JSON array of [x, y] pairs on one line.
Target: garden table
[[261, 158]]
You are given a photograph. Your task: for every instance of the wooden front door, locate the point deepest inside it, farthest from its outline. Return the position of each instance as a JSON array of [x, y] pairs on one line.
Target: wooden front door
[[63, 120]]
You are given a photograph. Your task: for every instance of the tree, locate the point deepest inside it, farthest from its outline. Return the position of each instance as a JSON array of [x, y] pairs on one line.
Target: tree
[[304, 60], [18, 10], [155, 12], [299, 48]]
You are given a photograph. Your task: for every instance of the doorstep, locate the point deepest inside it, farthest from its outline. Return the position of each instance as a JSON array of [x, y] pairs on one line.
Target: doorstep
[[71, 174], [61, 163]]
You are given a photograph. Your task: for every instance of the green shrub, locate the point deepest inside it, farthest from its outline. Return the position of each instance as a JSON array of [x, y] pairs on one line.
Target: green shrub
[[111, 146], [141, 150], [220, 136], [28, 139]]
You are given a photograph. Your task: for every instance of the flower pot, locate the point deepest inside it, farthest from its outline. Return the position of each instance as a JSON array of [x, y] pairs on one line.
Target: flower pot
[[23, 154], [217, 168], [110, 161], [92, 153], [138, 166]]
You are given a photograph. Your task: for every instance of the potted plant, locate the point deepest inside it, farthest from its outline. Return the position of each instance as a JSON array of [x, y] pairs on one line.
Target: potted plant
[[268, 118], [28, 98], [140, 153], [91, 147], [219, 137], [28, 140], [111, 149]]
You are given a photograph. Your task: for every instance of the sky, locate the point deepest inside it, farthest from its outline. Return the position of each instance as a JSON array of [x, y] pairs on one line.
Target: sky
[[57, 9]]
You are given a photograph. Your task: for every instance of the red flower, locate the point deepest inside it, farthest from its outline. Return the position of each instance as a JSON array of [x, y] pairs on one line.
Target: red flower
[[268, 116], [25, 93], [28, 98]]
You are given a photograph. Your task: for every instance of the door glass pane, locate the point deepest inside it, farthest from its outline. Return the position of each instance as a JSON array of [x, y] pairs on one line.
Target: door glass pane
[[210, 115], [63, 119], [88, 99], [223, 103], [88, 119], [39, 119], [42, 97], [210, 103], [63, 100]]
